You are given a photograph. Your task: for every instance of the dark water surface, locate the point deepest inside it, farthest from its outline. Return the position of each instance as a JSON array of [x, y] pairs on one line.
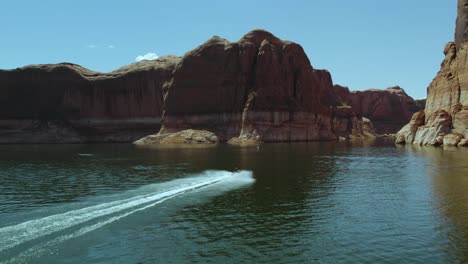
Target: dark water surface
[[288, 203]]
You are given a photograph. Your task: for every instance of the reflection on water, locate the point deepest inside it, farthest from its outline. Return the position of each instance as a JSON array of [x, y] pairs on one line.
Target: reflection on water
[[448, 170], [318, 202]]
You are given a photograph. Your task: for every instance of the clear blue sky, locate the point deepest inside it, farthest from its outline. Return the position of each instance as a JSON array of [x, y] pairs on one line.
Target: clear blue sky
[[364, 43]]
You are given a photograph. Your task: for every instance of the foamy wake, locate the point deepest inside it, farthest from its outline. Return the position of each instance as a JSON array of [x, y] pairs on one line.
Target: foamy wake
[[108, 212]]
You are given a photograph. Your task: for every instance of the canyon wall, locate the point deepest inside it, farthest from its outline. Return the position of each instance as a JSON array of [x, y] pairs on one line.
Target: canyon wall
[[446, 111], [259, 88], [388, 109], [66, 103], [259, 84]]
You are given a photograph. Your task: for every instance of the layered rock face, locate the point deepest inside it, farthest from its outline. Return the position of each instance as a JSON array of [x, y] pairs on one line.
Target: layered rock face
[[259, 84], [446, 111], [65, 103], [257, 89], [388, 109]]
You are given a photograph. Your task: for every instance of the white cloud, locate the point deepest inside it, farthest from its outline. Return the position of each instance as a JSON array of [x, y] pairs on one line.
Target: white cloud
[[111, 47], [91, 46], [147, 56]]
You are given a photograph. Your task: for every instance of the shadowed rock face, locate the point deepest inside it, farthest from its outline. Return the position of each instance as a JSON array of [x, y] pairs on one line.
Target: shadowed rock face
[[388, 109], [68, 103], [461, 32], [345, 120], [446, 111], [259, 84], [259, 87]]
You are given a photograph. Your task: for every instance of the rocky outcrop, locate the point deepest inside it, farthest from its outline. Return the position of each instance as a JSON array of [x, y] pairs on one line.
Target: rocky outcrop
[[258, 89], [452, 140], [434, 130], [246, 139], [449, 89], [463, 142], [189, 136], [408, 132], [388, 109], [446, 111]]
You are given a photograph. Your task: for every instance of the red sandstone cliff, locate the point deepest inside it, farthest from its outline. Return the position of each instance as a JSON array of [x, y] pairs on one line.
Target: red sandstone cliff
[[259, 88], [68, 103], [388, 109], [259, 83], [446, 111]]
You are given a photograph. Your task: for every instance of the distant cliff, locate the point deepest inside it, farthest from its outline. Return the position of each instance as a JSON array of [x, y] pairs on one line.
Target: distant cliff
[[444, 120], [260, 88], [388, 109]]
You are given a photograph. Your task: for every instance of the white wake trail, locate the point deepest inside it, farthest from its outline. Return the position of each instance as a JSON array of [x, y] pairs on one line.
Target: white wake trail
[[40, 249], [30, 230]]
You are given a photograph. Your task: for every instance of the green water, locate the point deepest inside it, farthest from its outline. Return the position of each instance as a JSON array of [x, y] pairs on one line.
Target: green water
[[280, 203]]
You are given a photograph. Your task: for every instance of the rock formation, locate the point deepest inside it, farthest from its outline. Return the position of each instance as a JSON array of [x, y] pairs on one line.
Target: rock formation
[[257, 89], [66, 103], [388, 109], [188, 136], [260, 88], [446, 111], [349, 125]]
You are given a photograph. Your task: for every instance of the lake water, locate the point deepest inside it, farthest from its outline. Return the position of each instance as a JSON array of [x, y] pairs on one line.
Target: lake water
[[280, 203]]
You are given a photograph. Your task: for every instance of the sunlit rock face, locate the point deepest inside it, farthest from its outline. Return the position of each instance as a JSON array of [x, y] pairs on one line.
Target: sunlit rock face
[[447, 95], [446, 112], [408, 132]]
